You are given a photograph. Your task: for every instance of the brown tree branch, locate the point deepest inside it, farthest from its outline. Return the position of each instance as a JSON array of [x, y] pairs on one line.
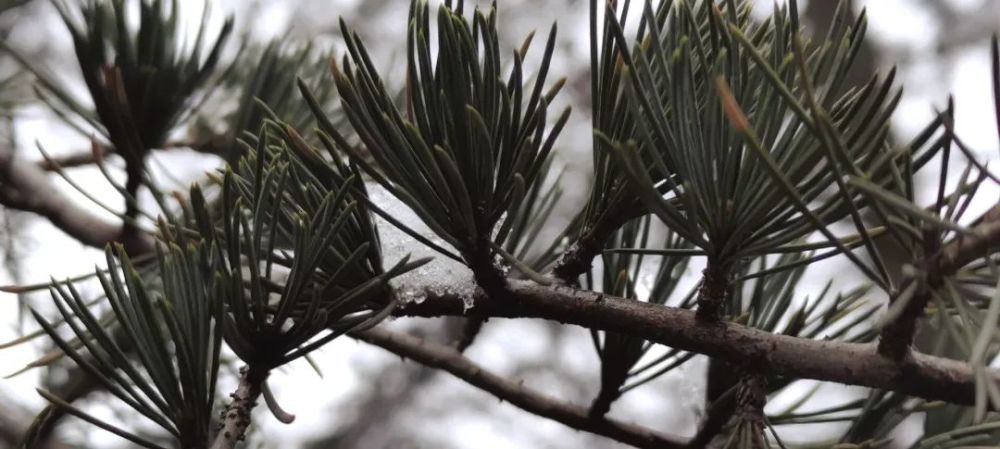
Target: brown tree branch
[[578, 259], [80, 159], [25, 186], [983, 239], [715, 281], [209, 146], [920, 375], [236, 417], [448, 359], [897, 337]]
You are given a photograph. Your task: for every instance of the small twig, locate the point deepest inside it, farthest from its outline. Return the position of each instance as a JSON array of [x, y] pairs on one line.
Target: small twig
[[578, 259], [897, 336], [608, 394], [751, 397], [721, 377], [236, 417], [448, 359], [490, 280], [712, 294], [76, 159]]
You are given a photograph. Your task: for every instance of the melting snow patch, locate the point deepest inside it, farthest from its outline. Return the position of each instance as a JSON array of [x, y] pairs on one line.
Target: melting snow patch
[[441, 275]]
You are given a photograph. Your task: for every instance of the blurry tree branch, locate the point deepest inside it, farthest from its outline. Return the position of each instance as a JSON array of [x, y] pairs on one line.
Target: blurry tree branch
[[25, 186], [212, 146], [378, 415], [14, 424], [964, 27], [73, 160], [450, 360]]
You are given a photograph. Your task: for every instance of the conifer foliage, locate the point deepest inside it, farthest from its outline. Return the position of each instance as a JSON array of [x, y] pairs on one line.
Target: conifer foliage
[[721, 140]]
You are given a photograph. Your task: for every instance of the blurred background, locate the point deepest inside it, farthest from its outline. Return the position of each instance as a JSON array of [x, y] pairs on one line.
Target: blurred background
[[364, 397]]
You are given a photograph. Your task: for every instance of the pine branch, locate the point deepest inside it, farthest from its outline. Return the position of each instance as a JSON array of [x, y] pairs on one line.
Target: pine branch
[[719, 414], [236, 417], [578, 259], [897, 337], [25, 186], [452, 361], [716, 278], [965, 249], [751, 422], [921, 375]]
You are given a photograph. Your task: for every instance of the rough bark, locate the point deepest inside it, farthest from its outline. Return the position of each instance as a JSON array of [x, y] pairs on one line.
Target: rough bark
[[918, 374], [236, 417]]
